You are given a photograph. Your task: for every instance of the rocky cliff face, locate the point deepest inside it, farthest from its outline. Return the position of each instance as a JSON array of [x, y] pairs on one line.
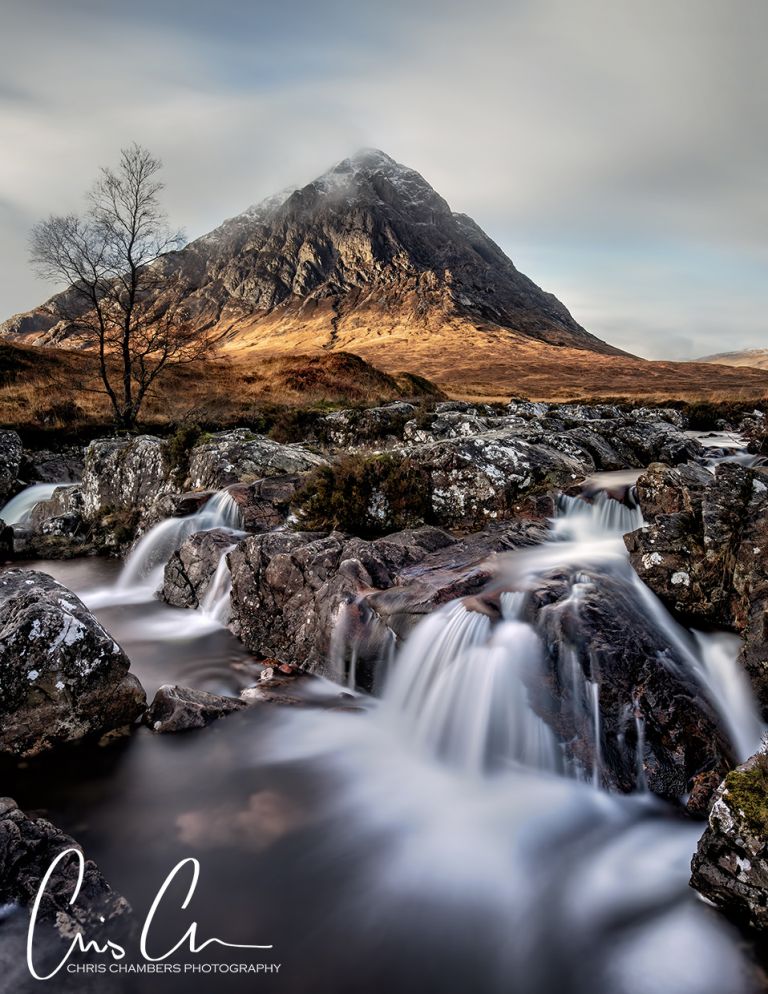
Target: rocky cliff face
[[367, 249]]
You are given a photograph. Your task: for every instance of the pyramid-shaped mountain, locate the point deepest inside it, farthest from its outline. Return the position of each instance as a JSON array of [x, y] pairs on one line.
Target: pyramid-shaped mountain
[[367, 258]]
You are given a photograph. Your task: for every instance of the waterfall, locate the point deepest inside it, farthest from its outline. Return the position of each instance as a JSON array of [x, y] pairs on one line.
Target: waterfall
[[460, 688], [580, 519], [19, 508], [461, 685], [216, 604], [142, 572]]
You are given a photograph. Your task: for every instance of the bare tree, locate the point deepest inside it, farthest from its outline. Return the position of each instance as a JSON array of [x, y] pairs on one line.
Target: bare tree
[[121, 295]]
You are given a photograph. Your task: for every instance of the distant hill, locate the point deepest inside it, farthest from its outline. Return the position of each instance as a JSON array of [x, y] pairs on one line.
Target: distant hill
[[746, 357]]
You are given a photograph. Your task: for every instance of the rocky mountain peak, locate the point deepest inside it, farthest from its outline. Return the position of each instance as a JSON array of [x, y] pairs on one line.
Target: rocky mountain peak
[[367, 255]]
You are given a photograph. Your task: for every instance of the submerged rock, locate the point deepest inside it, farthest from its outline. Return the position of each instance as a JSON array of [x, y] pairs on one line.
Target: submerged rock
[[179, 709], [730, 866], [62, 676]]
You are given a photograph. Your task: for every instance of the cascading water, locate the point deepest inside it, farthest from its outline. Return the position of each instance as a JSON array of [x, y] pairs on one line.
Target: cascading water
[[462, 685], [216, 604], [142, 573], [19, 508], [462, 682]]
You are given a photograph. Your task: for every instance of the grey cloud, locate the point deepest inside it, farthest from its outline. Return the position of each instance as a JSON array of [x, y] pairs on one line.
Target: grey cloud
[[565, 126]]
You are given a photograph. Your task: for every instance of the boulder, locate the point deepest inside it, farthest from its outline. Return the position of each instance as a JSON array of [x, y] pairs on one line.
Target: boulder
[[124, 474], [265, 504], [179, 709], [482, 478], [191, 568], [702, 551], [656, 726], [730, 867], [11, 451], [62, 676], [239, 456], [314, 602], [28, 846], [61, 514], [362, 426]]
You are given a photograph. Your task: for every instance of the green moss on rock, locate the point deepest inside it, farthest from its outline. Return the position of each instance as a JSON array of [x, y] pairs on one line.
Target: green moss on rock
[[746, 794]]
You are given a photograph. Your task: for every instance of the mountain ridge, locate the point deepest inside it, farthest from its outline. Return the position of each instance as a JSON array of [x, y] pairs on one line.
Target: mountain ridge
[[366, 255]]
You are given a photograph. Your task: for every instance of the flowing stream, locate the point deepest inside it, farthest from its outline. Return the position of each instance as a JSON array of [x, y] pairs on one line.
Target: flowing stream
[[436, 840]]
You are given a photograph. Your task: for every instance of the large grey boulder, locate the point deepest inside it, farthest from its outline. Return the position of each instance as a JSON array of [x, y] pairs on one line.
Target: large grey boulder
[[11, 451], [482, 478], [124, 474], [62, 676], [355, 427], [239, 456]]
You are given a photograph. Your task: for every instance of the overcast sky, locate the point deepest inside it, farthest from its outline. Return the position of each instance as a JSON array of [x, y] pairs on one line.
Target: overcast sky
[[617, 150]]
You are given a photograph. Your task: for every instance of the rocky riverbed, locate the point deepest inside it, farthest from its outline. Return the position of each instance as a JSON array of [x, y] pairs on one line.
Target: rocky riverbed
[[618, 653]]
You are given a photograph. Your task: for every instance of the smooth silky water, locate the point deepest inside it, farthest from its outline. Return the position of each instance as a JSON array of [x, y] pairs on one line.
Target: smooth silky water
[[437, 840]]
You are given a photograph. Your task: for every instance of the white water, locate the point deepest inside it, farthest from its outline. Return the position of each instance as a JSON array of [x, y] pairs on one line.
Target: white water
[[216, 603], [453, 790], [142, 573], [19, 508], [458, 687]]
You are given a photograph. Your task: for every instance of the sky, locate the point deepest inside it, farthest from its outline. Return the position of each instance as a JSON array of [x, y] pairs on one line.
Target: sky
[[616, 150]]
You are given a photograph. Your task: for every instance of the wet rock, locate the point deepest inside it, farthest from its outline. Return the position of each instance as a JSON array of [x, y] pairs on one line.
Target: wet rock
[[703, 551], [11, 451], [313, 602], [239, 456], [656, 726], [28, 846], [182, 505], [730, 866], [124, 474], [190, 570], [66, 504], [62, 676], [179, 709]]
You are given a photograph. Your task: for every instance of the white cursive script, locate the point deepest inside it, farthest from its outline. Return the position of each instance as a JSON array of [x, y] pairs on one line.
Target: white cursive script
[[113, 949]]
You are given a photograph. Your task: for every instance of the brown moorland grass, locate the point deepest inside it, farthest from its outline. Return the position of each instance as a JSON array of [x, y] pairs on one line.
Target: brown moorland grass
[[57, 389]]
